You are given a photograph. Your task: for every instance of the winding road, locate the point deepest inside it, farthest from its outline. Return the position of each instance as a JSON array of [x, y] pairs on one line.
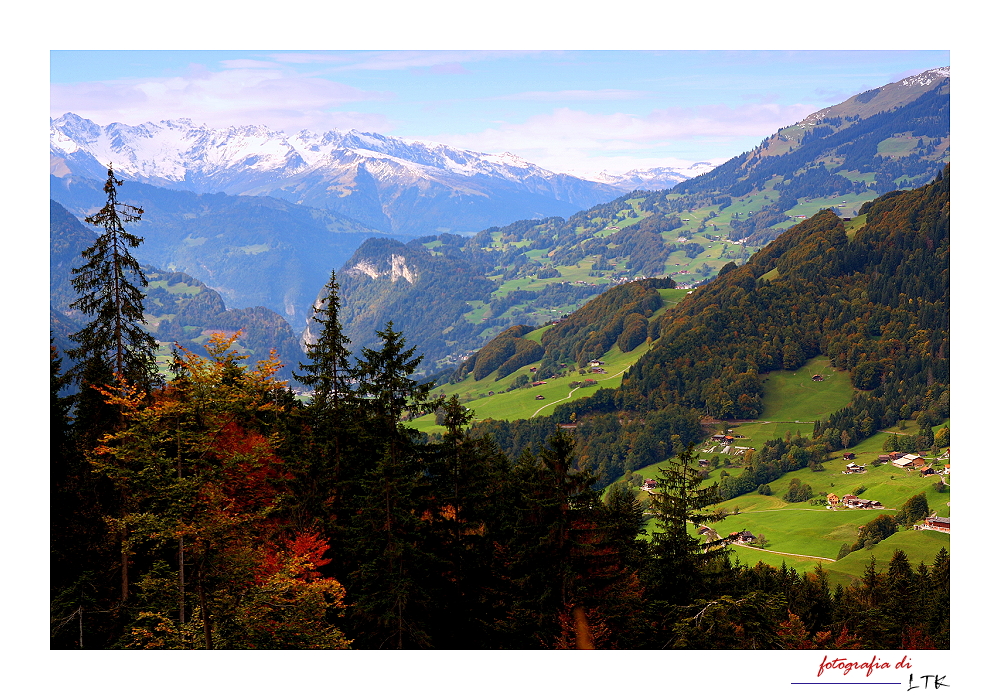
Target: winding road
[[553, 403]]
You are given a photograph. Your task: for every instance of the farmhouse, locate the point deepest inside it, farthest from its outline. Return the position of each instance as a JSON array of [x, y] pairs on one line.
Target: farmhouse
[[649, 484], [927, 470], [744, 537], [939, 524], [849, 455], [853, 468], [869, 504], [832, 499], [909, 461], [539, 397], [852, 501], [817, 377]]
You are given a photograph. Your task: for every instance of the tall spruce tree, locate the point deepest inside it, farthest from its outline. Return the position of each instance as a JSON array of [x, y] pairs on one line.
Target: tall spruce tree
[[113, 348], [680, 561], [394, 575], [329, 417], [329, 372]]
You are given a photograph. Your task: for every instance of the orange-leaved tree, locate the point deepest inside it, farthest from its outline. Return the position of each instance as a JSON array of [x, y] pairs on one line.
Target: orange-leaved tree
[[199, 464]]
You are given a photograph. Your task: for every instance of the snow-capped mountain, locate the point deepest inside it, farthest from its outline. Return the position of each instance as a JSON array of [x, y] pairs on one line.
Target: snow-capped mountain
[[392, 184], [653, 178]]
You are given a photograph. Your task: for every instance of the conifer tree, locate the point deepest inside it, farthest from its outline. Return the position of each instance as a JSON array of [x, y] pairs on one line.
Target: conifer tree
[[113, 348], [329, 372], [679, 559], [393, 574], [385, 381], [329, 413]]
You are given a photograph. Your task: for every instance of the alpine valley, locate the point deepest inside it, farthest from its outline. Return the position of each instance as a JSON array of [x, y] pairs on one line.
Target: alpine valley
[[460, 292], [639, 412], [299, 206]]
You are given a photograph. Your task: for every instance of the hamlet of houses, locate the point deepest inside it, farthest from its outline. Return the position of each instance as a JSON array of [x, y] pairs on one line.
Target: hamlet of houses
[[851, 501], [725, 442]]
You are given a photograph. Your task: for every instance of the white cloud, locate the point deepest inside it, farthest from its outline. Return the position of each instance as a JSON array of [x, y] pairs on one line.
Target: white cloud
[[569, 139], [241, 94], [576, 95], [395, 60]]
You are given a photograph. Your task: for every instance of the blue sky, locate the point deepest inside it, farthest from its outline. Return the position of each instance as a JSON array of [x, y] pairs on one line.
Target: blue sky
[[457, 24], [577, 111]]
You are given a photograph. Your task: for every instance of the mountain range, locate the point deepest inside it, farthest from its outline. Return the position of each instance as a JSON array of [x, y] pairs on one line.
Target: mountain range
[[894, 137], [450, 294], [393, 185]]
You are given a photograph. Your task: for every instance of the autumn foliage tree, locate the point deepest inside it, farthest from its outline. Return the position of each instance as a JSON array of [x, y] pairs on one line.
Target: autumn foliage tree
[[242, 516], [198, 460]]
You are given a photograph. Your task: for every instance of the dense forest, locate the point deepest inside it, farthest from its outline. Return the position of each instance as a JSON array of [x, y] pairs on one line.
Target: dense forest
[[211, 509], [876, 304]]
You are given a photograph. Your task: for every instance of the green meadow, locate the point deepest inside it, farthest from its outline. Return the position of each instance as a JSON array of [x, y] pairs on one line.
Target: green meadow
[[511, 404], [794, 396], [801, 535]]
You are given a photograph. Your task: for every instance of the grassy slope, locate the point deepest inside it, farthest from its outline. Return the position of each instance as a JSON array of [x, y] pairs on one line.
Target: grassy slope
[[815, 533], [682, 269], [521, 403]]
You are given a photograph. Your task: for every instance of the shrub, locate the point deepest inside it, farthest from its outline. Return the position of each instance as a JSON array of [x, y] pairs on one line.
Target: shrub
[[798, 492]]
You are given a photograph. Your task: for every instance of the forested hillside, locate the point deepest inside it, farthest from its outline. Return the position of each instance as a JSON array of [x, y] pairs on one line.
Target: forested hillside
[[213, 510], [891, 138], [876, 303], [422, 293]]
